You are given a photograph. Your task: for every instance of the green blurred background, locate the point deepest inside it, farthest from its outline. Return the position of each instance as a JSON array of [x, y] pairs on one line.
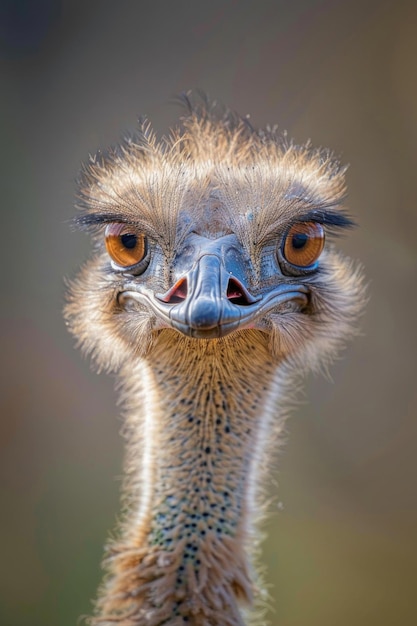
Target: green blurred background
[[342, 546]]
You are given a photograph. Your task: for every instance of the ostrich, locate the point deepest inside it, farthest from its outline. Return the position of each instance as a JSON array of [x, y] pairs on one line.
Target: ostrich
[[210, 289]]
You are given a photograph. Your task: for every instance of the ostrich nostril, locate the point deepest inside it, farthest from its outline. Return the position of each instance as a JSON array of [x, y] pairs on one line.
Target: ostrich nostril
[[236, 293], [177, 293]]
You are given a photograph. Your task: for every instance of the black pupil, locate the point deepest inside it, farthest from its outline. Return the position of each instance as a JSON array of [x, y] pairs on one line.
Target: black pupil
[[299, 240], [129, 240]]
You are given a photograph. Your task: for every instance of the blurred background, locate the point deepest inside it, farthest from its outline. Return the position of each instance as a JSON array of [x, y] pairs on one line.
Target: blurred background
[[342, 546]]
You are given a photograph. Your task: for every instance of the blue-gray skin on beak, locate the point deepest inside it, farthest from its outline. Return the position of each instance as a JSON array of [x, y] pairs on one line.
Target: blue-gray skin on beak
[[209, 298]]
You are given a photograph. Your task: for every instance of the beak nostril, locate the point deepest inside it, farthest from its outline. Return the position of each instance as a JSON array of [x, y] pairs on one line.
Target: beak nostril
[[177, 293], [236, 294]]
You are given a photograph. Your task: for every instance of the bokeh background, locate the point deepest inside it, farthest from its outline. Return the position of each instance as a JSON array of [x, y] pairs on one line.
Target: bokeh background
[[342, 546]]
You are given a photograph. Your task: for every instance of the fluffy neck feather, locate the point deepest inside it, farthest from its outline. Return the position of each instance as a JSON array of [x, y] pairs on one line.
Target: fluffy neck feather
[[196, 435]]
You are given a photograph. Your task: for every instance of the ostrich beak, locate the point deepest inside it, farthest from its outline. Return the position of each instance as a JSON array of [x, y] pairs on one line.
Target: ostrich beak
[[210, 301]]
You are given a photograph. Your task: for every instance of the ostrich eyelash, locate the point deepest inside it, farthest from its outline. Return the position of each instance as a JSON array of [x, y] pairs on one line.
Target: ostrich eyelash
[[92, 221], [334, 221]]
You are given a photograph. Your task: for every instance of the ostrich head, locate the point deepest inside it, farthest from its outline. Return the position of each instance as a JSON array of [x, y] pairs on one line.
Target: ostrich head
[[210, 284]]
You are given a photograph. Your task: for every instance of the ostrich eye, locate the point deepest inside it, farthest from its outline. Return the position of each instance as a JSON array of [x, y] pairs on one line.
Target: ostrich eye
[[304, 243], [125, 244]]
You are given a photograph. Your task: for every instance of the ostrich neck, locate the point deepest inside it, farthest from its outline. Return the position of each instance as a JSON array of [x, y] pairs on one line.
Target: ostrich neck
[[195, 445]]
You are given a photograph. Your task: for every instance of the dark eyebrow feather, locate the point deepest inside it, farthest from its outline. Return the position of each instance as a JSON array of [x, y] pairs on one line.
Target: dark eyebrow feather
[[86, 221], [332, 219]]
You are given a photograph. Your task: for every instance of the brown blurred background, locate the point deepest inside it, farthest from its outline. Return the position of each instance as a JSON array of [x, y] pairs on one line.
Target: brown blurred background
[[342, 547]]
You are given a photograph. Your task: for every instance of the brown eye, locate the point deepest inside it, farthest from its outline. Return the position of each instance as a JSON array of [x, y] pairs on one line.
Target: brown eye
[[304, 243], [125, 244]]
